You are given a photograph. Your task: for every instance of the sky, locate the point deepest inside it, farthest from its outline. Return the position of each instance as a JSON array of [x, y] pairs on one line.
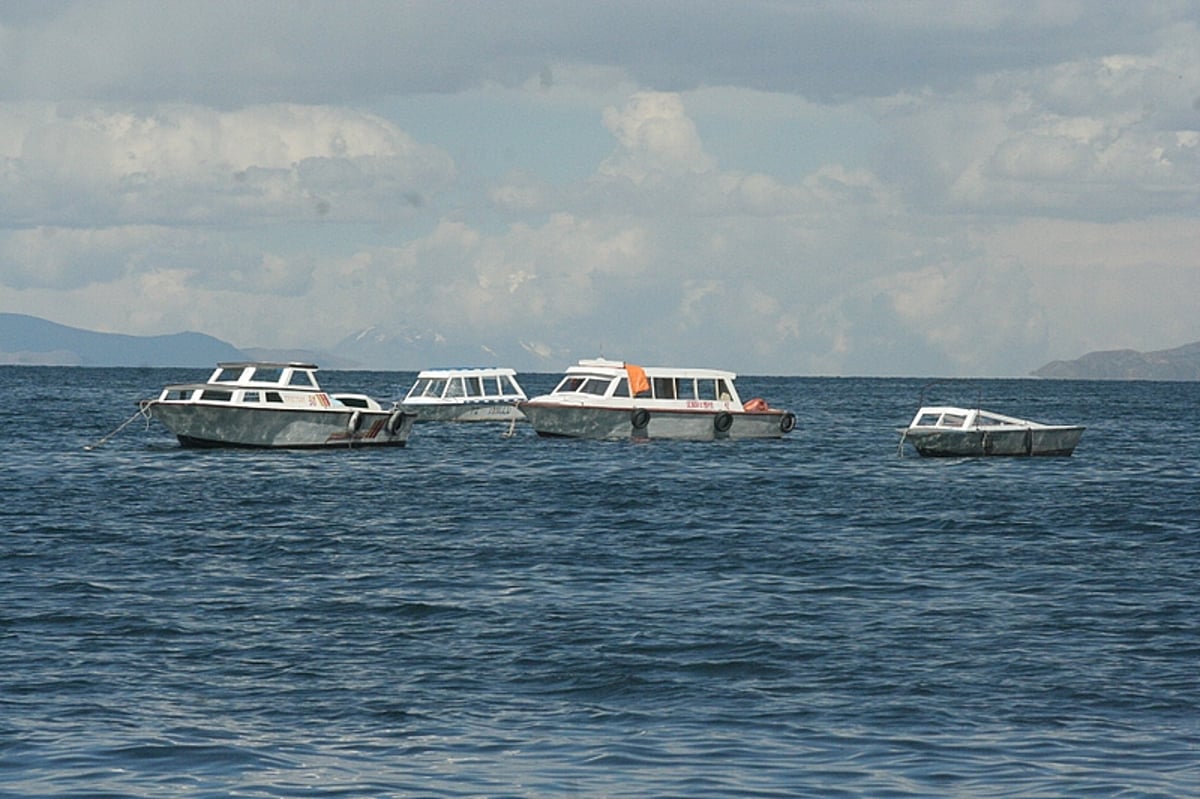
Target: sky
[[918, 188]]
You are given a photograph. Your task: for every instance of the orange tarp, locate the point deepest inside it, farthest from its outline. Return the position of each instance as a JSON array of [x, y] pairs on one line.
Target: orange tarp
[[638, 382]]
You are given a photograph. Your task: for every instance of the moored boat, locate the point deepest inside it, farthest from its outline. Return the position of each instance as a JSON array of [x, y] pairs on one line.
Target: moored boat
[[485, 394], [948, 431], [604, 399], [274, 405]]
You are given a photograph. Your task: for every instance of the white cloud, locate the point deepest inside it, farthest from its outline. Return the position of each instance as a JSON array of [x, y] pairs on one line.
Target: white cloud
[[187, 165], [814, 188], [656, 137], [1103, 137]]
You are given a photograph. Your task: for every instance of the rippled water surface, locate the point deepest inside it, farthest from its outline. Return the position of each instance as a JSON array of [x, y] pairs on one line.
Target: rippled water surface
[[475, 615]]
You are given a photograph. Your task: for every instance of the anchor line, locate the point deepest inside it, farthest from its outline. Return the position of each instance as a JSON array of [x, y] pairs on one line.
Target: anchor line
[[143, 410]]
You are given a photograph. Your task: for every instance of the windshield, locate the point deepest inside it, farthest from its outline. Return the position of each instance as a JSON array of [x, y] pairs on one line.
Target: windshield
[[583, 384]]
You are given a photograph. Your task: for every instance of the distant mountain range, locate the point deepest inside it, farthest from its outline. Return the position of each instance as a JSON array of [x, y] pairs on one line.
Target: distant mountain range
[[29, 340], [33, 341], [1180, 363]]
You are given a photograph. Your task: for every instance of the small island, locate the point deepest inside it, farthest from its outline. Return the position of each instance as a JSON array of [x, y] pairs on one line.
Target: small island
[[1180, 363]]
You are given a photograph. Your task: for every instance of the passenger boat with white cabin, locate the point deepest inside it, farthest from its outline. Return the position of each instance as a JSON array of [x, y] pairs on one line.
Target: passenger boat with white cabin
[[275, 405], [484, 394], [604, 399], [948, 431]]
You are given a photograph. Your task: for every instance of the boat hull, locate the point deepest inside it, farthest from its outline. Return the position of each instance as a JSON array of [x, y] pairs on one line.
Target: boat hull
[[465, 412], [579, 421], [1032, 441], [205, 425]]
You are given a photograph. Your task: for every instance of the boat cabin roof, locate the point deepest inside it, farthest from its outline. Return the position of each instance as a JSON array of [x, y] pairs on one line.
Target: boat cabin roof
[[606, 368], [291, 374], [473, 371], [949, 416], [312, 367], [623, 381]]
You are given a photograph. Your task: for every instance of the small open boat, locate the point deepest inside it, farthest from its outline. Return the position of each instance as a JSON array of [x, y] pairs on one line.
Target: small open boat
[[947, 431], [606, 399], [274, 405]]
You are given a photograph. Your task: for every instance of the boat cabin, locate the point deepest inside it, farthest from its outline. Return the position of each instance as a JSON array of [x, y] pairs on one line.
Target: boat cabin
[[286, 384], [491, 384], [616, 379], [963, 419]]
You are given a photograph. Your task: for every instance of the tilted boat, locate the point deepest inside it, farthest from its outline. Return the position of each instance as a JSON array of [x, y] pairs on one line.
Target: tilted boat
[[947, 431], [485, 394], [605, 399], [264, 404]]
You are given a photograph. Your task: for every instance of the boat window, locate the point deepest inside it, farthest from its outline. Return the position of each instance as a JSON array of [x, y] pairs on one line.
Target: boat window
[[953, 420], [250, 396], [706, 389], [474, 386], [569, 384], [622, 388], [419, 388], [455, 387], [178, 394], [595, 385], [273, 396], [508, 385], [983, 418], [268, 375], [664, 388], [302, 378], [686, 388], [215, 395], [225, 375], [927, 420], [435, 388], [725, 389]]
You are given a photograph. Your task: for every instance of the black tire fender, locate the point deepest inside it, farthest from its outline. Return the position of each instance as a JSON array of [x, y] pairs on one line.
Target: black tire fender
[[723, 421], [640, 418], [788, 422]]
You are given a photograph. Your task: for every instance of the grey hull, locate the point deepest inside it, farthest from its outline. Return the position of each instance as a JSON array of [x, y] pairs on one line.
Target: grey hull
[[1049, 441], [467, 412], [200, 425], [643, 423]]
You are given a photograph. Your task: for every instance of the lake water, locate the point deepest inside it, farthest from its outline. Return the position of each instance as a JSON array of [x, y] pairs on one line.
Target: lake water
[[481, 616]]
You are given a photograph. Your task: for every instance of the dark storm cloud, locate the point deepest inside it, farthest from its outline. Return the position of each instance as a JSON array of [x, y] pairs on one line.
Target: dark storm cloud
[[235, 53]]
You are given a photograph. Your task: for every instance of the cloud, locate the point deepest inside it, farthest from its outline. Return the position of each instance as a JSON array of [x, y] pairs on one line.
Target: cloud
[[823, 188], [229, 54], [65, 258], [655, 137], [1107, 138], [191, 165]]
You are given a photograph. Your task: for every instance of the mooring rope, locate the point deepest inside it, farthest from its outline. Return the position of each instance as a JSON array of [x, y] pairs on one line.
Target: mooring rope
[[512, 429], [143, 410]]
